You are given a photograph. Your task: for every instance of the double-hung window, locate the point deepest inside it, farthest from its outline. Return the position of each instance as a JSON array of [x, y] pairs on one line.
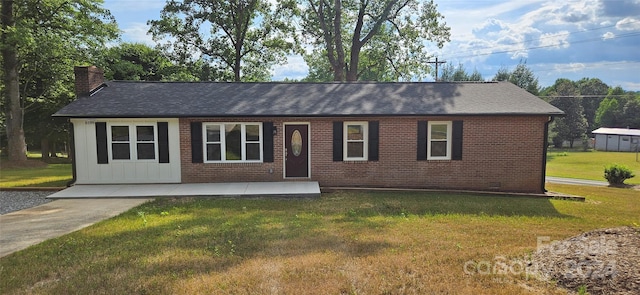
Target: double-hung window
[[133, 142], [232, 142], [439, 140], [355, 141]]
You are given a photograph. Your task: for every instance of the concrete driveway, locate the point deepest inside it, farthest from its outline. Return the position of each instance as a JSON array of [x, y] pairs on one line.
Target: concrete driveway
[[24, 228]]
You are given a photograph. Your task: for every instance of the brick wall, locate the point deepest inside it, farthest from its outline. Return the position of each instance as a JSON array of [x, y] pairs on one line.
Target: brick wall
[[87, 78], [499, 153]]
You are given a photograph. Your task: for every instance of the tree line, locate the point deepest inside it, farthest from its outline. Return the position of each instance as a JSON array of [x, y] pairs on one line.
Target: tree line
[[588, 103], [204, 40]]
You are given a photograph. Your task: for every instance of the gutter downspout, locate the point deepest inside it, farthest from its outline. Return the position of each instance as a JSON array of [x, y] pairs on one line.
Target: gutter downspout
[[544, 153], [73, 156]]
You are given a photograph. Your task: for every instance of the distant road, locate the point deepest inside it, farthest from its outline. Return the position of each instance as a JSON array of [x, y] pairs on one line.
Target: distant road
[[575, 181]]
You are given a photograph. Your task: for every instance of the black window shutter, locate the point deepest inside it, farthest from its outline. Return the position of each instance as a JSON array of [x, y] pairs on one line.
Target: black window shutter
[[374, 130], [456, 141], [337, 140], [422, 141], [163, 142], [267, 142], [196, 142], [101, 143]]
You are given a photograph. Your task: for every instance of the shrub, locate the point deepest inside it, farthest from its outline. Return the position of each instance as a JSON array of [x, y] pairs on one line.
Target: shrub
[[617, 174]]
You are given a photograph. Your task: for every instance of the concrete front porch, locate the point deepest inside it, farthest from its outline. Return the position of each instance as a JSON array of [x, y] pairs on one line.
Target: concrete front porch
[[234, 189]]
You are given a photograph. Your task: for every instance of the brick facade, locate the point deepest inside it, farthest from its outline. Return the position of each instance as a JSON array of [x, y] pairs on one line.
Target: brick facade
[[501, 153], [87, 79]]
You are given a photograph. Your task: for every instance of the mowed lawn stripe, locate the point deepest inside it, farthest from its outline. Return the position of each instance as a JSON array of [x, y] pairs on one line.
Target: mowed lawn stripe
[[343, 242]]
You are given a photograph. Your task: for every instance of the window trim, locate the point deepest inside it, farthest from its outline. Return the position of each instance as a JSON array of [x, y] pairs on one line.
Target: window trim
[[449, 140], [222, 142], [364, 140], [133, 141]]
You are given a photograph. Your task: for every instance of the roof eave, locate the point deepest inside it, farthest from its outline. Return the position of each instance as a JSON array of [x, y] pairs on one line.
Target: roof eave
[[138, 116]]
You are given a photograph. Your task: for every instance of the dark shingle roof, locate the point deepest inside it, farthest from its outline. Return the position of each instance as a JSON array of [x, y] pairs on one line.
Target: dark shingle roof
[[211, 99]]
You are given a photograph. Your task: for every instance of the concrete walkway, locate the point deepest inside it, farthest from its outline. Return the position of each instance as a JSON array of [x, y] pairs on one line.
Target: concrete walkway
[[24, 228], [236, 189]]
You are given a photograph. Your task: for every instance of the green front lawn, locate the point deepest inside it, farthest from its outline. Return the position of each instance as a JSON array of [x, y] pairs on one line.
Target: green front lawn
[[53, 175], [341, 243], [589, 165]]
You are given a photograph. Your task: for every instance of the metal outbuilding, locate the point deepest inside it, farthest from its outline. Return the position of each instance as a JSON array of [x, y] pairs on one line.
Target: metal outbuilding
[[617, 139]]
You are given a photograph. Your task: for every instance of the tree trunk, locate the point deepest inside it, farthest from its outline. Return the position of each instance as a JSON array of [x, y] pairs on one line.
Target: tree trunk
[[352, 70], [44, 149], [16, 146], [338, 66]]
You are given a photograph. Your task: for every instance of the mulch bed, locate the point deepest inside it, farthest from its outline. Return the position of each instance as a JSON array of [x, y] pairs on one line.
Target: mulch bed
[[604, 261]]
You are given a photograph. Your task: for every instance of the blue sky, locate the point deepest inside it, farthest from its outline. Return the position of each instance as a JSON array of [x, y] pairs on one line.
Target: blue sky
[[558, 39]]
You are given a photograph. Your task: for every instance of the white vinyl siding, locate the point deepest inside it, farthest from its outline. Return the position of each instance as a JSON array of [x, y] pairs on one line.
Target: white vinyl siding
[[138, 169]]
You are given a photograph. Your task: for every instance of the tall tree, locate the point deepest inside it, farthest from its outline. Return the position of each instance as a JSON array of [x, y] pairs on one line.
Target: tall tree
[[521, 76], [450, 73], [593, 91], [503, 74], [618, 109], [476, 76], [241, 39], [565, 96], [379, 36], [16, 146], [39, 41], [136, 61]]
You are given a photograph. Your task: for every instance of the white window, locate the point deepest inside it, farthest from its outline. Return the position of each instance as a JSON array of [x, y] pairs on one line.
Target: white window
[[233, 142], [439, 140], [355, 141], [133, 142]]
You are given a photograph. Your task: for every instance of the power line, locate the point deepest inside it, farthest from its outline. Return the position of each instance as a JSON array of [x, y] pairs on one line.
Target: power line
[[471, 53], [437, 63], [546, 46]]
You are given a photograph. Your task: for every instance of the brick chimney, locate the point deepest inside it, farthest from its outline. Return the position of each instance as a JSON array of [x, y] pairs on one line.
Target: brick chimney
[[88, 79]]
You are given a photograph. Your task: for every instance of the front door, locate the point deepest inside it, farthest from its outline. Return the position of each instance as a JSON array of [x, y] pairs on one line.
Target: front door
[[296, 144]]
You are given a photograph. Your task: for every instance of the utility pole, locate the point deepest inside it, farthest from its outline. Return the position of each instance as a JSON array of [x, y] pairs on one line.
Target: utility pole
[[437, 63]]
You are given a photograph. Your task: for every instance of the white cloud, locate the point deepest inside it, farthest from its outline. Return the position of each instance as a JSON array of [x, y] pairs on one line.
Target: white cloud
[[628, 24], [608, 35], [137, 33], [570, 67], [295, 68], [555, 40], [626, 85], [134, 6]]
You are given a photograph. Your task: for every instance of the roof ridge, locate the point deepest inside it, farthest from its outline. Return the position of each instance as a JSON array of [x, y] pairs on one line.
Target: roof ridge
[[309, 83]]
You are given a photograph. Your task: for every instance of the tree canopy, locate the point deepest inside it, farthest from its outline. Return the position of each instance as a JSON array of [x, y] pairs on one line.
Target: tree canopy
[[522, 76], [240, 39], [565, 96], [450, 73], [136, 61], [371, 40], [619, 109], [41, 42]]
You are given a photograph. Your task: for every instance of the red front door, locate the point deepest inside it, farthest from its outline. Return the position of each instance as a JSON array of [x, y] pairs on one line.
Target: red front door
[[296, 144]]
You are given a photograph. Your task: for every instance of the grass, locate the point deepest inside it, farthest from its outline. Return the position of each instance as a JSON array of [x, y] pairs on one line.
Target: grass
[[342, 243], [53, 175], [589, 165]]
